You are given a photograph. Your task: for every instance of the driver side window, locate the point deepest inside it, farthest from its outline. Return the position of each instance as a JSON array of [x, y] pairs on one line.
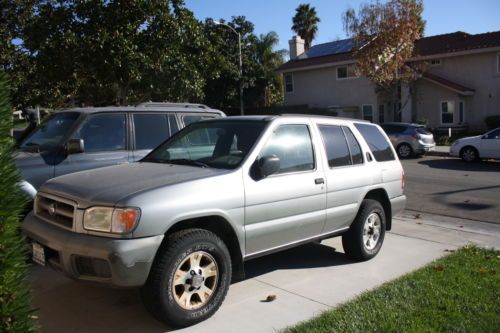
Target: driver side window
[[494, 135], [292, 145], [103, 132]]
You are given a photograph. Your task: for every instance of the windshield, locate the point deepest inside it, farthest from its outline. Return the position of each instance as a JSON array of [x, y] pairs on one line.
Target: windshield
[[51, 132], [215, 144]]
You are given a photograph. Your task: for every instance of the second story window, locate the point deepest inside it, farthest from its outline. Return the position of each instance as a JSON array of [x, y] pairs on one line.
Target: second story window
[[345, 72], [435, 62], [288, 83]]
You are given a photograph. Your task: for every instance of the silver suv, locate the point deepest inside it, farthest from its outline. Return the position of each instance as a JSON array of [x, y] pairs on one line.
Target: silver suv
[[409, 139], [181, 222], [85, 138]]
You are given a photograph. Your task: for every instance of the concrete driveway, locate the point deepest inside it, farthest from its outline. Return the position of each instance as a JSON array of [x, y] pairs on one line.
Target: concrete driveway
[[306, 280]]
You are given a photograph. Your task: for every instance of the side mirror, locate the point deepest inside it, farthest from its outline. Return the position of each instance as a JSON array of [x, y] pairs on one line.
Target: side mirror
[[268, 165], [75, 146]]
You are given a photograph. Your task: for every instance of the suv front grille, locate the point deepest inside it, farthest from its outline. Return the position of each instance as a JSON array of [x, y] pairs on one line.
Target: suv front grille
[[55, 210]]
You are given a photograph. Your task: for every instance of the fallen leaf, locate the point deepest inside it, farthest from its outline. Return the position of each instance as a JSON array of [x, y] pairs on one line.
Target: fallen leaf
[[460, 226], [466, 175], [493, 271], [417, 216], [269, 298], [449, 250], [487, 258], [419, 222], [483, 271], [438, 268], [467, 201]]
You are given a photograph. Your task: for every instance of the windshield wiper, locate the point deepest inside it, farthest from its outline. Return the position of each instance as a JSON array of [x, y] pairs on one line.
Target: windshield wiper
[[185, 161]]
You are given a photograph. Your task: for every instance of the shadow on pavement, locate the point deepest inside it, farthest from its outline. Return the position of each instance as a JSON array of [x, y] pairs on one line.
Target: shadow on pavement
[[457, 164], [65, 305]]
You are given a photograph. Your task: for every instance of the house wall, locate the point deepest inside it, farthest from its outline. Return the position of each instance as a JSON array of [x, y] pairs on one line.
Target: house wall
[[478, 71], [321, 88]]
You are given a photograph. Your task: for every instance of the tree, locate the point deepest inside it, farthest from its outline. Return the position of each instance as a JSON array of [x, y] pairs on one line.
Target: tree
[[305, 23], [384, 37], [269, 82], [15, 308]]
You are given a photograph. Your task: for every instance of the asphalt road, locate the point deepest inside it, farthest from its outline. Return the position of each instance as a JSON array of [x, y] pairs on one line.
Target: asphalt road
[[450, 187]]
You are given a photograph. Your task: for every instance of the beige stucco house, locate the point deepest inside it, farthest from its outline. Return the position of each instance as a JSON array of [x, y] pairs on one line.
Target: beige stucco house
[[459, 87]]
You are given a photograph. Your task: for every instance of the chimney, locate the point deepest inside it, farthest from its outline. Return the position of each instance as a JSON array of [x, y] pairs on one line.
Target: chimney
[[296, 47]]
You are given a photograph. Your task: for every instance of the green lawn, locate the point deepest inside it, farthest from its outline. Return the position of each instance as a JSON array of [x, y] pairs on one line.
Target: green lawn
[[457, 293]]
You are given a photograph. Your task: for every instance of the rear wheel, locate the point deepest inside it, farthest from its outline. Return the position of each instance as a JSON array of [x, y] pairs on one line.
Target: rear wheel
[[364, 238], [469, 154], [404, 150], [189, 279]]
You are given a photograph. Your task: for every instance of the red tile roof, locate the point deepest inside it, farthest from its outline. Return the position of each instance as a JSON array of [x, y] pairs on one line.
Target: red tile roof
[[427, 46], [449, 84]]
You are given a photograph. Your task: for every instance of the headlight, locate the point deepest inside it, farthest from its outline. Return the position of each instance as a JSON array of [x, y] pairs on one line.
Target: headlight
[[114, 220]]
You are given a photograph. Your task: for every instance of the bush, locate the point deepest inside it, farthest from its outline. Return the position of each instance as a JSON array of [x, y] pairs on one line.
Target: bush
[[16, 314], [492, 122]]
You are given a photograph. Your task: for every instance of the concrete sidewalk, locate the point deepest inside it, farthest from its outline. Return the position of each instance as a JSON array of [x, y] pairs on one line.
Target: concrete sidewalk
[[439, 151], [306, 281]]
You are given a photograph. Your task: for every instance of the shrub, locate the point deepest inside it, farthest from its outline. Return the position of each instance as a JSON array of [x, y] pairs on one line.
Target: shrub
[[492, 121], [16, 314]]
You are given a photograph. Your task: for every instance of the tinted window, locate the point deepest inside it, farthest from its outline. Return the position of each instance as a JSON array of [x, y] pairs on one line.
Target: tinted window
[[105, 132], [150, 130], [335, 145], [51, 132], [288, 83], [393, 129], [354, 147], [380, 147], [292, 144], [193, 119], [172, 122]]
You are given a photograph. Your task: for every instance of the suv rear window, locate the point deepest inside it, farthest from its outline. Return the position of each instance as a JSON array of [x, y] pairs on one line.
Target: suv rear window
[[380, 147], [422, 130]]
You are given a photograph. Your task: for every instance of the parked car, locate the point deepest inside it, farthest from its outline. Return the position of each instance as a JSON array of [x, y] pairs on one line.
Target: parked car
[[180, 222], [474, 148], [85, 138], [409, 139]]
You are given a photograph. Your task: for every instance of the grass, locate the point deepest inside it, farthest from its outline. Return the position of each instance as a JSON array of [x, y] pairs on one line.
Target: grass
[[457, 293]]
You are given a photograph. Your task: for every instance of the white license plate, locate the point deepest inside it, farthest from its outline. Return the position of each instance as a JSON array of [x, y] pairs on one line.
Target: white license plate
[[38, 253]]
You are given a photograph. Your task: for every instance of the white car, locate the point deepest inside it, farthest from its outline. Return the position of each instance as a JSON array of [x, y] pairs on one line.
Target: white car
[[473, 148]]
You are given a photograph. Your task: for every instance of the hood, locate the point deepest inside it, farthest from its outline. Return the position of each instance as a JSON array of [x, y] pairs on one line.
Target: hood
[[470, 139], [106, 186]]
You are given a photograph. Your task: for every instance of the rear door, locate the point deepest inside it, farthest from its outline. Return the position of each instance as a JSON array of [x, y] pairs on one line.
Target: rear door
[[105, 137], [149, 130]]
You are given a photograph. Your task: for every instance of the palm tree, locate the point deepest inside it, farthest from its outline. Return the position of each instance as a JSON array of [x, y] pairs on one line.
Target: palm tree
[[305, 23], [269, 60]]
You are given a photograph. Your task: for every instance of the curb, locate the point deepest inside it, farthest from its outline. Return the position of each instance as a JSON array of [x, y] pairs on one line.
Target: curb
[[437, 153]]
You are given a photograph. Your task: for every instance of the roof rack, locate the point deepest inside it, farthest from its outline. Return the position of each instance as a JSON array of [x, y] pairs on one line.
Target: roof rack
[[169, 104]]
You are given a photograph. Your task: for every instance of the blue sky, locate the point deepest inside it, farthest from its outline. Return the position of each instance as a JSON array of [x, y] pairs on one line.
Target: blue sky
[[442, 16]]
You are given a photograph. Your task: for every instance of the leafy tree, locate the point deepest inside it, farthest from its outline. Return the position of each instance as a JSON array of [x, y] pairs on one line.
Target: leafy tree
[[15, 308], [385, 35], [305, 23]]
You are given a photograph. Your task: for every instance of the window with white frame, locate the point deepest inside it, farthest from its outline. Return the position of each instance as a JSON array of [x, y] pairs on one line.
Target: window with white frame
[[288, 83], [435, 62], [447, 110], [461, 112], [346, 72], [368, 112]]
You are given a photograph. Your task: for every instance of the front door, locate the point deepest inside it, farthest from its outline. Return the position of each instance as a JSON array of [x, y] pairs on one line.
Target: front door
[[288, 206], [490, 145]]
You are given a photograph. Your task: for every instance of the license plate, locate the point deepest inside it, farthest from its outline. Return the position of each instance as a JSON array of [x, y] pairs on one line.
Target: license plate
[[38, 253]]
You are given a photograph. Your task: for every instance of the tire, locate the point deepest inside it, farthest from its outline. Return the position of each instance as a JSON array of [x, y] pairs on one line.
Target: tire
[[404, 151], [469, 154], [361, 245], [189, 278]]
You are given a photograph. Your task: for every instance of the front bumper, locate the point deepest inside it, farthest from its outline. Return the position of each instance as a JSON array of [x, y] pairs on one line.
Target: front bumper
[[454, 150], [128, 261]]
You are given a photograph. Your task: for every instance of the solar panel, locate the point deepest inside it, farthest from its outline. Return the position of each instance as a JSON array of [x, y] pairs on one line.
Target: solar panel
[[320, 50]]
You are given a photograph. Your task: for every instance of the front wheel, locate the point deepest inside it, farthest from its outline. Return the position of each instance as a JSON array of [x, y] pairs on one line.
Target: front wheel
[[469, 154], [189, 279], [364, 238]]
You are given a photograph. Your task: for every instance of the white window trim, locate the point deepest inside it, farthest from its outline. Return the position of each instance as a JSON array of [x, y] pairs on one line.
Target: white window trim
[[344, 78], [463, 120], [284, 83], [363, 112], [441, 112]]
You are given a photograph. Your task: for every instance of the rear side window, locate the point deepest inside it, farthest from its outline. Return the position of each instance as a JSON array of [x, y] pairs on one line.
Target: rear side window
[[336, 147], [354, 147], [341, 146], [380, 147], [292, 144], [150, 130]]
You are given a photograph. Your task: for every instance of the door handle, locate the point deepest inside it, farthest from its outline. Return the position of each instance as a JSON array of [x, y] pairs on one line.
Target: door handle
[[318, 181]]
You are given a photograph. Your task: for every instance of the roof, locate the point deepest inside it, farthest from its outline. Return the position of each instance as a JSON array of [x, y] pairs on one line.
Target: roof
[[463, 90], [143, 108], [341, 50]]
